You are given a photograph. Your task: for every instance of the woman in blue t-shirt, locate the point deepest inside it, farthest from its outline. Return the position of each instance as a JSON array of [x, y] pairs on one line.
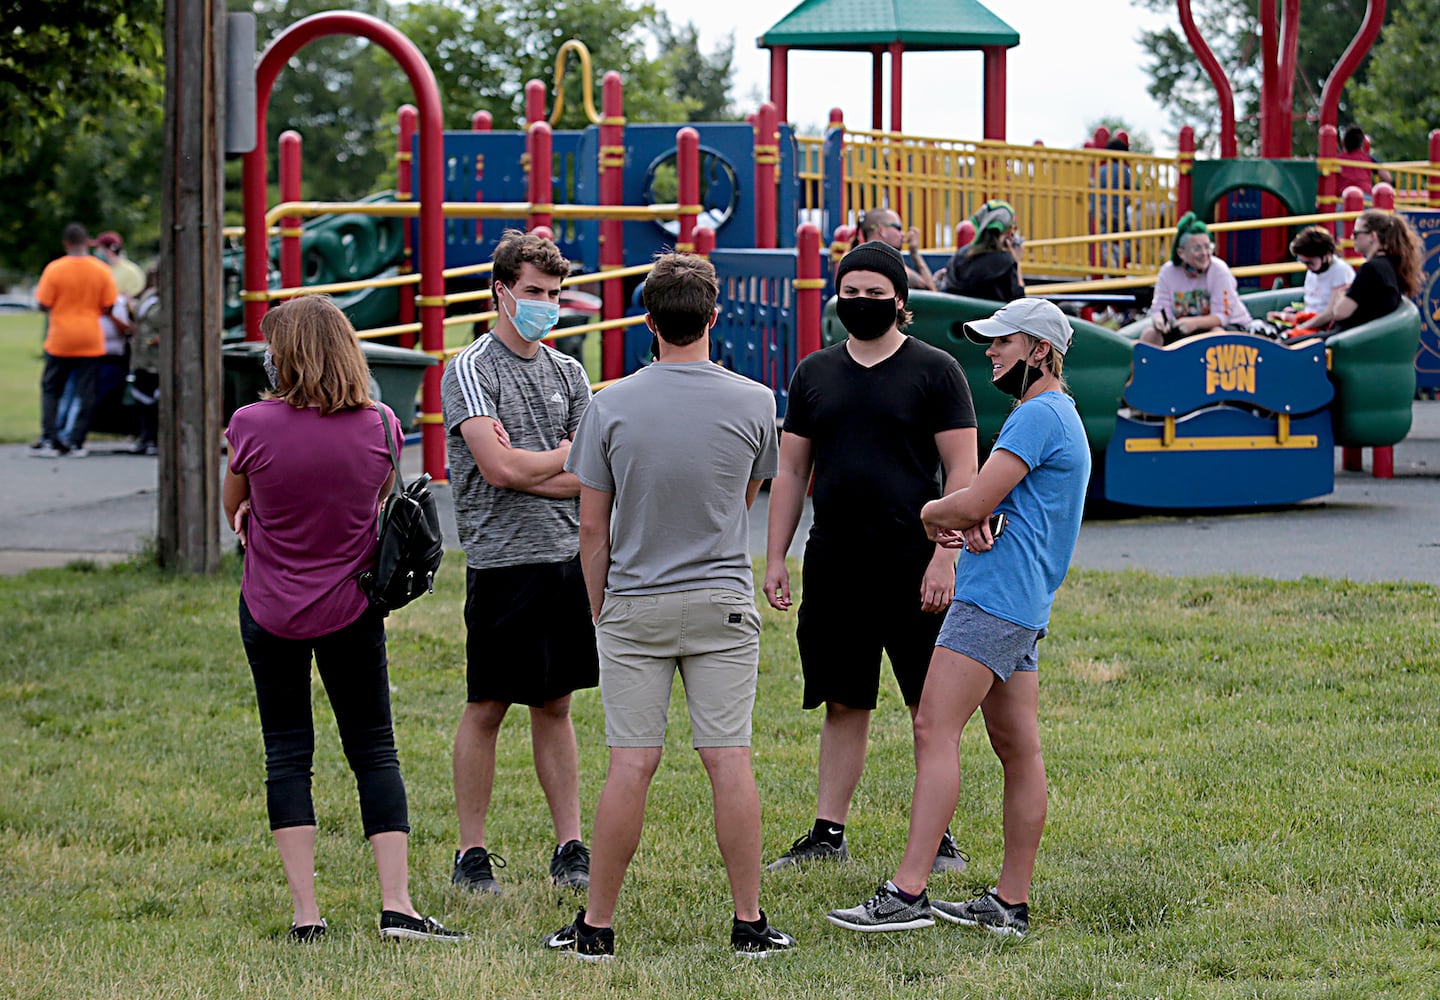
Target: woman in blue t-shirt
[[985, 656]]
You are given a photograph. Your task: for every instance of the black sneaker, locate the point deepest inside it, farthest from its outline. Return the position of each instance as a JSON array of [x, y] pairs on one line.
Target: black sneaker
[[401, 926], [986, 910], [887, 910], [596, 946], [307, 933], [570, 866], [750, 943], [475, 870], [949, 858], [808, 849]]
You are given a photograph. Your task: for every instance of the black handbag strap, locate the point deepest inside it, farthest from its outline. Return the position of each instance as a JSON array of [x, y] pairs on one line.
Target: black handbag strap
[[398, 486]]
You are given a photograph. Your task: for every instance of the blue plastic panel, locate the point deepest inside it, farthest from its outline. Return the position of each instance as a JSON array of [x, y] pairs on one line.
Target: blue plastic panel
[[1229, 367]]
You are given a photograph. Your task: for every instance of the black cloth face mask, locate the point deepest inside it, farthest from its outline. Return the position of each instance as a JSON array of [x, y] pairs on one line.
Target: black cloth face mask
[[1019, 377], [866, 318]]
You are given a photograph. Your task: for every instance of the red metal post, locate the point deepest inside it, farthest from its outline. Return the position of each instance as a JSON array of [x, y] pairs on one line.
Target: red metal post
[[480, 121], [1354, 54], [1100, 138], [534, 101], [290, 272], [877, 89], [704, 241], [1383, 196], [404, 191], [1352, 199], [687, 169], [964, 234], [809, 286], [897, 54], [1184, 185], [539, 145], [612, 247], [767, 156], [779, 79], [994, 115], [1221, 82], [1433, 185]]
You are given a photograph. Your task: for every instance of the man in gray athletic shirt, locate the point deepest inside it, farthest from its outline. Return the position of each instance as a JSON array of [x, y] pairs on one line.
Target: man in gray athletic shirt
[[669, 461], [511, 407]]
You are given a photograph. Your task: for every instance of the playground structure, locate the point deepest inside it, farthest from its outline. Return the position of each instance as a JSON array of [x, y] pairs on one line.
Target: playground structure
[[755, 198]]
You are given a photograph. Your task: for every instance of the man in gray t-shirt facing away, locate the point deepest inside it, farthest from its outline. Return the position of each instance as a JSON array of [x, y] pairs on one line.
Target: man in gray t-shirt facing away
[[511, 408], [669, 461]]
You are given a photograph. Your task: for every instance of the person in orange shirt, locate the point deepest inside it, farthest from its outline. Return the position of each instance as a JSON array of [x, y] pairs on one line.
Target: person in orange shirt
[[76, 290]]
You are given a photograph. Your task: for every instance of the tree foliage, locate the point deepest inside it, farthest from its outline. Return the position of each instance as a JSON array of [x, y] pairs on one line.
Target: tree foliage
[[60, 55], [1400, 101], [1232, 29], [82, 86]]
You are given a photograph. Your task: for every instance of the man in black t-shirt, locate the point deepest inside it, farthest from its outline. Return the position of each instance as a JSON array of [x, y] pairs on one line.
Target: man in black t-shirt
[[874, 418]]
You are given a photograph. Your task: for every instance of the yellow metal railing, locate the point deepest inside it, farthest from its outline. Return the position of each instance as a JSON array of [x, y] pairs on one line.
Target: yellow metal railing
[[1412, 181], [936, 184]]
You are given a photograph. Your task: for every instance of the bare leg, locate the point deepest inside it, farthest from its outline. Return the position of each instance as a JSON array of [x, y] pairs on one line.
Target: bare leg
[[737, 823], [843, 740], [391, 850], [954, 688], [1012, 717], [474, 767], [297, 855], [619, 817], [557, 765]]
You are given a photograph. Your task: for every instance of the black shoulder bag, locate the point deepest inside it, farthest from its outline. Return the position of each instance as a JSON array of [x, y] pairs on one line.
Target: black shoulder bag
[[410, 541]]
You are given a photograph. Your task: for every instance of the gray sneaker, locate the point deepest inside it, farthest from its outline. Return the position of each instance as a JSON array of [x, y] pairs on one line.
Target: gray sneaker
[[885, 911], [807, 849], [988, 911], [949, 858]]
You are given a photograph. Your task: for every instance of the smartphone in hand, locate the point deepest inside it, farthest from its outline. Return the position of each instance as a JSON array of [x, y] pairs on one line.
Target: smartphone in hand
[[997, 525]]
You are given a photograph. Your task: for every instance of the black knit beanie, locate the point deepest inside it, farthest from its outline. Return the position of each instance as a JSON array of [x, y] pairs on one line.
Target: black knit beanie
[[881, 258]]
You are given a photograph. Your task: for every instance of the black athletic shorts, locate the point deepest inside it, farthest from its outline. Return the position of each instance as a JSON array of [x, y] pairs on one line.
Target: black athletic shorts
[[851, 609], [528, 638]]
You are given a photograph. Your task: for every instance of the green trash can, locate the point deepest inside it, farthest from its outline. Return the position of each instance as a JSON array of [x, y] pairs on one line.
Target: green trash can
[[396, 372]]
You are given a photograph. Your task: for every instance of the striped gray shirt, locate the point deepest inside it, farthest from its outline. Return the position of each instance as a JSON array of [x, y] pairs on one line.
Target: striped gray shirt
[[539, 401]]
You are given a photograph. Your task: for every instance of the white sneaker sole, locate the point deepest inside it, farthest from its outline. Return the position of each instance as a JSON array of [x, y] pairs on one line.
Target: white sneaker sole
[[1010, 932], [899, 925], [405, 934]]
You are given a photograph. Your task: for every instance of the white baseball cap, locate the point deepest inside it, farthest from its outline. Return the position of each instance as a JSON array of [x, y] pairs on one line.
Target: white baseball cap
[[1038, 317]]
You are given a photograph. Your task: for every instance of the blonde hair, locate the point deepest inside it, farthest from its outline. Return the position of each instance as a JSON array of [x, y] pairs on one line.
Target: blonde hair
[[318, 361], [1054, 360]]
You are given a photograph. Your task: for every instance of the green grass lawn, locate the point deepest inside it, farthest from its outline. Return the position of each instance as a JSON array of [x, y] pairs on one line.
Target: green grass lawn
[[20, 363], [1243, 803]]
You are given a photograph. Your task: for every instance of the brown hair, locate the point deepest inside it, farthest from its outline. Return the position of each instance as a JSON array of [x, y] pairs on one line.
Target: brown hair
[[516, 249], [1400, 242], [318, 361], [679, 294], [1313, 241]]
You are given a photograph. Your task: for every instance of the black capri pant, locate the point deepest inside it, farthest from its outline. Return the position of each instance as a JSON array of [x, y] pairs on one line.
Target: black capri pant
[[354, 669]]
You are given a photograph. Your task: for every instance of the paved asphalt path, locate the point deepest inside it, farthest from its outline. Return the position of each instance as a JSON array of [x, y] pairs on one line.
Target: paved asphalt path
[[103, 508]]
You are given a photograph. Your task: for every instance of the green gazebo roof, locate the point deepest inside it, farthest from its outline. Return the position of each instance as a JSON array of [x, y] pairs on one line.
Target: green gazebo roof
[[862, 24]]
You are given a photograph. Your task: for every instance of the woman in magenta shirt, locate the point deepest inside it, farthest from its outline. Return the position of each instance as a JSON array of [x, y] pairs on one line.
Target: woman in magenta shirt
[[309, 465]]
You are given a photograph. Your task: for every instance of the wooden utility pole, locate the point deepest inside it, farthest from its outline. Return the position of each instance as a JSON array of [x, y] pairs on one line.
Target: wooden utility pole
[[191, 286]]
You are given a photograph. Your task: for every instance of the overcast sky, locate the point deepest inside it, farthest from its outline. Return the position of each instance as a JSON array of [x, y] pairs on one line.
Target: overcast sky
[[1077, 60]]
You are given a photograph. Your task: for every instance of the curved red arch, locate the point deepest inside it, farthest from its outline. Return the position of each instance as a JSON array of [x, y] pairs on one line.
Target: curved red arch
[[432, 190]]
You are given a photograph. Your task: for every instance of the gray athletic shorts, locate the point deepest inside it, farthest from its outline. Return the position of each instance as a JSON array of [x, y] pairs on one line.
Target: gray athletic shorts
[[711, 636], [1002, 646]]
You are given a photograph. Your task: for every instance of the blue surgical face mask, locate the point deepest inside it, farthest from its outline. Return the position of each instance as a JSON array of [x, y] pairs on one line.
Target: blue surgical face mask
[[533, 318], [267, 361]]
